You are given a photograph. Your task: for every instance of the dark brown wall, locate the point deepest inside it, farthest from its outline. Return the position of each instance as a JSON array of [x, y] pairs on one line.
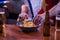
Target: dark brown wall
[[54, 2]]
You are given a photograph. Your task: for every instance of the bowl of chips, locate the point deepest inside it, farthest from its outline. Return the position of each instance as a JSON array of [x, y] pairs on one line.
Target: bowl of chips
[[28, 26]]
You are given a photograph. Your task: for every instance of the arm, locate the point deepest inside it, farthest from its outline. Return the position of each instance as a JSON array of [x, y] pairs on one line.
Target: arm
[[53, 11]]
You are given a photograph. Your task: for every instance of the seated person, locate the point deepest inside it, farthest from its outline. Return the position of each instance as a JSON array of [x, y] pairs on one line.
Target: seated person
[[52, 12], [24, 13]]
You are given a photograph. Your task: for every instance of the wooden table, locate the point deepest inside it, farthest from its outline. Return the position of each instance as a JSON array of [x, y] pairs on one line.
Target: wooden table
[[15, 33]]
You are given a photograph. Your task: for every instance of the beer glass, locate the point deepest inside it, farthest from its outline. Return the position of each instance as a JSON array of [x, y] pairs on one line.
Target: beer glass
[[58, 22], [57, 27], [2, 21]]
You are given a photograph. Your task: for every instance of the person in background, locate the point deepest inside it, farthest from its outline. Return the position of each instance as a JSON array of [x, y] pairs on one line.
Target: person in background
[[24, 13], [55, 10], [14, 8]]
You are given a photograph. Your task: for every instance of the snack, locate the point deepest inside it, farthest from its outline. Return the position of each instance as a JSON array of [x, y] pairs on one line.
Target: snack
[[21, 25], [27, 24]]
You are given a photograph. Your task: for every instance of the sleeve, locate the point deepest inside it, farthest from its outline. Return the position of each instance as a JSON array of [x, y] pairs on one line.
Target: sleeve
[[53, 11], [29, 13]]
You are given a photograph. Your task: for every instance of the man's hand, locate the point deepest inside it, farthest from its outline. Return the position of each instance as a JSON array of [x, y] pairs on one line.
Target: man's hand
[[38, 20]]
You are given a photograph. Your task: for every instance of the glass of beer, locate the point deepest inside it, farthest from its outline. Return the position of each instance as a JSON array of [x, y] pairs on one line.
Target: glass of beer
[[58, 22], [57, 27]]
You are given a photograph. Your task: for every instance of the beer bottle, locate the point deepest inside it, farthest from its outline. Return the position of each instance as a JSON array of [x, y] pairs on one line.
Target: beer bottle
[[2, 21], [46, 26]]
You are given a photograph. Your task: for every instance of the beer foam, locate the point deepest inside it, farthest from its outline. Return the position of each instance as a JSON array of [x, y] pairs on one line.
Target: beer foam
[[57, 18], [2, 12]]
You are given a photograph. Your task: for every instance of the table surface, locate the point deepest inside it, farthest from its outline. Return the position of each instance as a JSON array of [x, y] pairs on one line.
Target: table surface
[[15, 33]]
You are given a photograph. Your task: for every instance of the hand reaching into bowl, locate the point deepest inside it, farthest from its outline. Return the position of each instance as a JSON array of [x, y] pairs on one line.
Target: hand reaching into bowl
[[38, 20]]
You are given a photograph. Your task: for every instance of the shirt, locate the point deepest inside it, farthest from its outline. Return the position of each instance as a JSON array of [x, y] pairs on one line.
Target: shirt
[[17, 4]]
